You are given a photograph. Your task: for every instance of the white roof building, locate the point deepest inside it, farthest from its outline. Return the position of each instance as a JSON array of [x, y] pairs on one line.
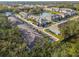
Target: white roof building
[[55, 9], [46, 16], [62, 15], [56, 16], [8, 13], [48, 9], [55, 29], [36, 17]]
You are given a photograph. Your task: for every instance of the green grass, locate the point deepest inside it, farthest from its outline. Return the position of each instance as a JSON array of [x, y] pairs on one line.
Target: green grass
[[52, 33], [32, 20], [52, 12]]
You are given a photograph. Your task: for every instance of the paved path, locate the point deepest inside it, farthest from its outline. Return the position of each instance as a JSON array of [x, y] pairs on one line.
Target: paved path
[[61, 22], [42, 29], [38, 28]]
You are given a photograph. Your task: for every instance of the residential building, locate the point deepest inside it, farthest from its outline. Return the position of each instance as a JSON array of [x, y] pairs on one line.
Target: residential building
[[56, 17], [56, 9], [24, 15], [8, 13], [48, 9]]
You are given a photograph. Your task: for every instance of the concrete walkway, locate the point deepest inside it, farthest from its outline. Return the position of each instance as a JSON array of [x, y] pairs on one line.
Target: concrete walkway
[[38, 28], [42, 29]]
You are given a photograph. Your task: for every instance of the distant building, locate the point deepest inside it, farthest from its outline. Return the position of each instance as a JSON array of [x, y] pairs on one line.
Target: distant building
[[50, 9], [56, 9], [42, 18], [56, 17], [8, 13], [63, 15], [36, 17], [55, 29], [24, 15], [46, 16]]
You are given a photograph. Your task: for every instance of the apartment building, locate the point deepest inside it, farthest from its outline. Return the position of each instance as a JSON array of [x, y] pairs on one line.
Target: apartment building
[[24, 15]]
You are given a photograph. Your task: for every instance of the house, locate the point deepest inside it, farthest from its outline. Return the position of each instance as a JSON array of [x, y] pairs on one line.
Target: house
[[42, 6], [62, 15], [8, 13], [48, 9], [66, 10], [24, 15], [55, 29], [36, 17], [46, 16], [42, 18], [28, 6], [73, 13], [56, 17], [56, 9]]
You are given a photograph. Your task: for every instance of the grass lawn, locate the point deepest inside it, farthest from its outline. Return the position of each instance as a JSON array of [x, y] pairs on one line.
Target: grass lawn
[[52, 12], [52, 33], [32, 20]]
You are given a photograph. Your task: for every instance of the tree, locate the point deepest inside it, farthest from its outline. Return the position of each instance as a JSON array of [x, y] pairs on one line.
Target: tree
[[11, 43], [70, 28]]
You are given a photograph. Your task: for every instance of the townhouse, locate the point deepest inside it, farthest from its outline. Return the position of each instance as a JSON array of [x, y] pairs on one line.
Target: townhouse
[[66, 11], [24, 15], [56, 17], [8, 14], [45, 17], [48, 8], [55, 9]]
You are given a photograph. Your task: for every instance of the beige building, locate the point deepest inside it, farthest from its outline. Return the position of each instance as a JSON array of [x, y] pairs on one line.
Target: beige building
[[24, 15]]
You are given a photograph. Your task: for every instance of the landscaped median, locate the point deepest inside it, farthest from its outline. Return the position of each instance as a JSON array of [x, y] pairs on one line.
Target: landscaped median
[[53, 12], [32, 20], [39, 29], [53, 34]]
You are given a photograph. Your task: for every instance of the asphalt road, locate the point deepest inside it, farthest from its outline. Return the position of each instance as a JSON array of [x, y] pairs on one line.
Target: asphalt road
[[38, 28]]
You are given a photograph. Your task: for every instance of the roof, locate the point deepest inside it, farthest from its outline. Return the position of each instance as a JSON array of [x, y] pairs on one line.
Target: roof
[[8, 13], [54, 29], [43, 15], [23, 13]]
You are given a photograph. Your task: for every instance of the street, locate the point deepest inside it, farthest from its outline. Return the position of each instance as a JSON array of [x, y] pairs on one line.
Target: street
[[38, 28]]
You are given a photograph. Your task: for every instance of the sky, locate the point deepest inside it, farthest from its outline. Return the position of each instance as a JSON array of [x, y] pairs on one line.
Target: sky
[[39, 0]]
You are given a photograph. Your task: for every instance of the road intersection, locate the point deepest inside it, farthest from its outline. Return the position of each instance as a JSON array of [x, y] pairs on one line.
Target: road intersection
[[43, 29]]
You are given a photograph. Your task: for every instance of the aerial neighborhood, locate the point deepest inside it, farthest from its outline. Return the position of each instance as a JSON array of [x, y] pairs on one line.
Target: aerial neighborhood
[[50, 16], [41, 18], [39, 29]]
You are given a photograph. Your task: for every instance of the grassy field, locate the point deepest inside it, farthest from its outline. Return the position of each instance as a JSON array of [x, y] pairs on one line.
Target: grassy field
[[52, 12], [32, 20]]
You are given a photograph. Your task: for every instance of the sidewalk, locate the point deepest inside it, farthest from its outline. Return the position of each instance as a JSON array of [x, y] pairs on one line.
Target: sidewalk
[[40, 29]]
